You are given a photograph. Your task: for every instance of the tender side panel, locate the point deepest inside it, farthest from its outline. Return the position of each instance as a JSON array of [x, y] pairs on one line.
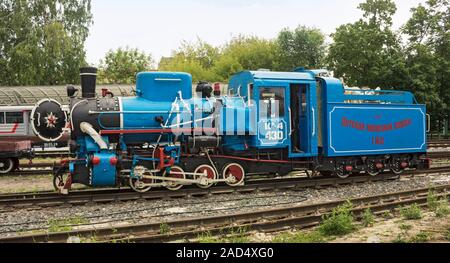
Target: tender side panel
[[362, 129]]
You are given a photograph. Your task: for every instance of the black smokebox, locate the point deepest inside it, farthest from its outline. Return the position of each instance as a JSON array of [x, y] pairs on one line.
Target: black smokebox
[[88, 79]]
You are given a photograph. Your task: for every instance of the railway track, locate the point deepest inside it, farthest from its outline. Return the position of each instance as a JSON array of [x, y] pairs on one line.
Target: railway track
[[268, 220], [47, 199]]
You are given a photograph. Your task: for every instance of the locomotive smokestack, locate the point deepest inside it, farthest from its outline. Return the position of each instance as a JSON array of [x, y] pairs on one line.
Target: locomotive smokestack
[[88, 79]]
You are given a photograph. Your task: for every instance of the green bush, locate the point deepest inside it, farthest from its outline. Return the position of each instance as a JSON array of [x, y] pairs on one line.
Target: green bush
[[339, 222], [411, 213]]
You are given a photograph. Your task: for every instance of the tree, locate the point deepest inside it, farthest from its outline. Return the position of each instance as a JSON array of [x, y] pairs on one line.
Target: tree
[[302, 46], [42, 42], [367, 52], [428, 32], [196, 58], [122, 65], [246, 53]]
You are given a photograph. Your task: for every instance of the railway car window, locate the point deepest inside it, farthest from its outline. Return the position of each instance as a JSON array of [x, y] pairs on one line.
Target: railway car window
[[14, 117], [2, 117], [274, 100]]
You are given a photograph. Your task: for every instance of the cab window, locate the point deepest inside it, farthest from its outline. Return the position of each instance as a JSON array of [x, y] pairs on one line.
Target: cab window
[[14, 117], [2, 117], [273, 100]]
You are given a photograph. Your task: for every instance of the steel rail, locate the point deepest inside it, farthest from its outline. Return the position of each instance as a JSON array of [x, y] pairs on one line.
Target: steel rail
[[47, 199]]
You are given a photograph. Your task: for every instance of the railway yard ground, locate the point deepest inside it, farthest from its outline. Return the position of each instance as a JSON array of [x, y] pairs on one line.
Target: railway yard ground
[[163, 213], [186, 217]]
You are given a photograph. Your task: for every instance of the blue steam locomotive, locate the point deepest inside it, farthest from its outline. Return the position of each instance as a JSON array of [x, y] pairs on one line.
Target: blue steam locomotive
[[268, 123]]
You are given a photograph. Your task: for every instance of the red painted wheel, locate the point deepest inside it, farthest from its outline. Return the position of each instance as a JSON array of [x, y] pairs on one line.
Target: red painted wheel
[[208, 171], [175, 172], [235, 170]]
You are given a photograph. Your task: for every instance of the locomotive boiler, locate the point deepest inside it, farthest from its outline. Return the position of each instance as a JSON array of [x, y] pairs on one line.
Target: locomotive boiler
[[268, 123]]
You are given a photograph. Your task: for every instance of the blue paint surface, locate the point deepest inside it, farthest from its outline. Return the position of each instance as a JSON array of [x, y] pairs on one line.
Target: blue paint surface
[[361, 129], [104, 174]]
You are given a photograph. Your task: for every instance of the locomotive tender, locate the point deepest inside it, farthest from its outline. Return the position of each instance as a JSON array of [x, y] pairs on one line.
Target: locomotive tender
[[268, 123]]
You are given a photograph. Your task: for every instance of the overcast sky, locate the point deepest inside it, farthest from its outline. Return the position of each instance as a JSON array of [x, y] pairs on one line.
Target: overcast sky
[[158, 27]]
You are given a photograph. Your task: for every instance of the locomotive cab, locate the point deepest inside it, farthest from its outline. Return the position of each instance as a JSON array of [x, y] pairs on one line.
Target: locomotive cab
[[286, 109]]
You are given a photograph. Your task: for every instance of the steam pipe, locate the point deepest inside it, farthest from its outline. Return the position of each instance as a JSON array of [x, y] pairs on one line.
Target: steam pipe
[[89, 130]]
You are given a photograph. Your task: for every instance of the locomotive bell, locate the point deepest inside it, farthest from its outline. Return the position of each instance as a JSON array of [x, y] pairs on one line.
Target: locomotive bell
[[88, 78], [48, 120]]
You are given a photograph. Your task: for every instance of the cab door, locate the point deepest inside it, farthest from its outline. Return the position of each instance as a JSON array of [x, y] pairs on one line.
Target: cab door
[[303, 116], [305, 144]]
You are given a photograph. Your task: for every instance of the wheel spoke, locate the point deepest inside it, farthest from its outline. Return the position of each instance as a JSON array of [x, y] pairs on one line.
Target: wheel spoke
[[175, 172], [235, 170], [210, 174]]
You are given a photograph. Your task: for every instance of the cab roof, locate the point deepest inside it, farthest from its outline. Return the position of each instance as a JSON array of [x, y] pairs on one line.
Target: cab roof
[[278, 75]]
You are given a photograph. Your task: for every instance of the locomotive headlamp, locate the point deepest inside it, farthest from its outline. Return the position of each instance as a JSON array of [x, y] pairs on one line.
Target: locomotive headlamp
[[95, 160], [113, 161]]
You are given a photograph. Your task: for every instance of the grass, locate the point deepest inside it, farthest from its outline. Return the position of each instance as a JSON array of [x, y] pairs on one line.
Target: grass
[[62, 225], [207, 238], [387, 215], [238, 235], [339, 222], [412, 212], [400, 239], [432, 200], [438, 206], [421, 237], [299, 237], [368, 219], [442, 210], [234, 236], [405, 227], [164, 228]]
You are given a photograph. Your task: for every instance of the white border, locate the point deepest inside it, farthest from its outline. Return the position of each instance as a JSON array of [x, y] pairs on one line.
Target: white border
[[373, 108]]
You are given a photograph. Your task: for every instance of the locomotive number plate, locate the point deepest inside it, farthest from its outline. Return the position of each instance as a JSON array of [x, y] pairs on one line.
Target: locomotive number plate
[[272, 132]]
